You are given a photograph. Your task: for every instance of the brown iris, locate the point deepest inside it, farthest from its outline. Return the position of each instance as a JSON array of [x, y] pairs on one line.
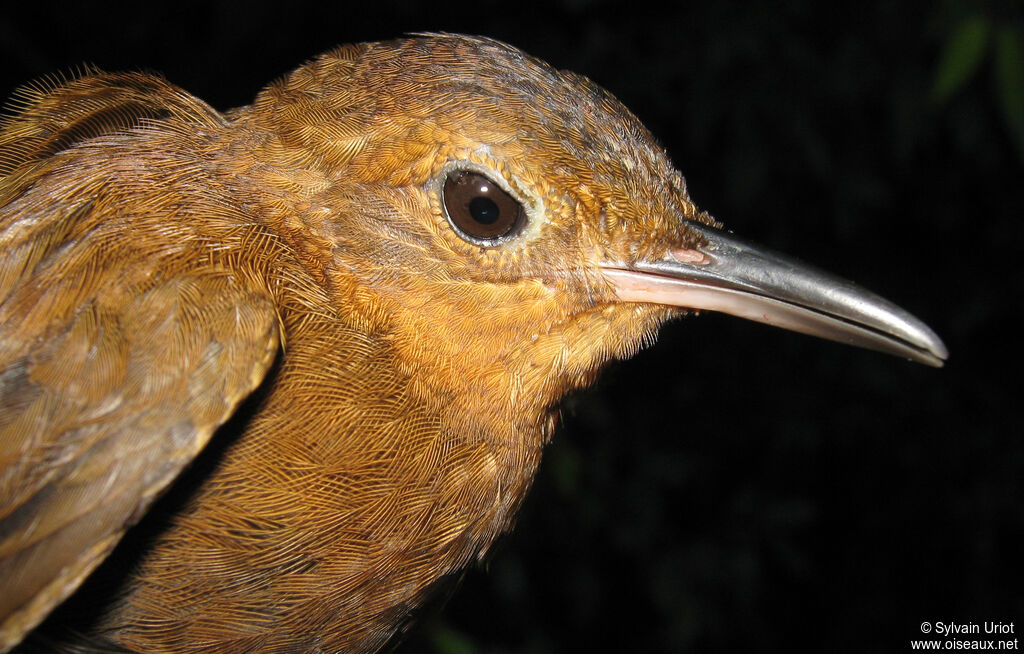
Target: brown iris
[[480, 210]]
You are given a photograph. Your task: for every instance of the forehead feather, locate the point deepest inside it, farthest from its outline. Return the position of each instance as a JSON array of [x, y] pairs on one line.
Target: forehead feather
[[479, 89]]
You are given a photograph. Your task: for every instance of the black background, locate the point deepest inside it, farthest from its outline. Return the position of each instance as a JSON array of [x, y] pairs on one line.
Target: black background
[[734, 488]]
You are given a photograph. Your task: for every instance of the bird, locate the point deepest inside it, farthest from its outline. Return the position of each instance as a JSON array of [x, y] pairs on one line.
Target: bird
[[343, 317]]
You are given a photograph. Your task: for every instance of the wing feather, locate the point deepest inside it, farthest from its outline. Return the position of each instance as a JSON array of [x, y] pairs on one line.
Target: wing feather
[[126, 339]]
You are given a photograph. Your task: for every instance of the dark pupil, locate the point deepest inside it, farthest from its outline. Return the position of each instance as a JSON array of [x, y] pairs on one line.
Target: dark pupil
[[480, 210], [484, 211]]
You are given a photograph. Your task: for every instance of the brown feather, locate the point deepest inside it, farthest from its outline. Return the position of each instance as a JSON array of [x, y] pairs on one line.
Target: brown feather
[[155, 254]]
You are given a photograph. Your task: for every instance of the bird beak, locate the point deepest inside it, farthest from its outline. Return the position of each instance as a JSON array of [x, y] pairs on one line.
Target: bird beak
[[728, 275]]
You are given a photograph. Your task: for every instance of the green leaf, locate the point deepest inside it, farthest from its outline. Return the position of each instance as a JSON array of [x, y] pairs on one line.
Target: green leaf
[[449, 641], [961, 56], [1009, 53]]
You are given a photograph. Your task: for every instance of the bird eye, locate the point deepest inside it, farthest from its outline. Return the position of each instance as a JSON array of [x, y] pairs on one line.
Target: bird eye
[[480, 210]]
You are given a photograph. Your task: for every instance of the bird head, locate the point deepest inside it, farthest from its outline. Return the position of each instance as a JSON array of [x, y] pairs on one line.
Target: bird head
[[454, 235], [522, 226]]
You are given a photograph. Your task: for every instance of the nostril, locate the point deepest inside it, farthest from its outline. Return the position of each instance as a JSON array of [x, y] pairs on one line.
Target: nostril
[[686, 255]]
